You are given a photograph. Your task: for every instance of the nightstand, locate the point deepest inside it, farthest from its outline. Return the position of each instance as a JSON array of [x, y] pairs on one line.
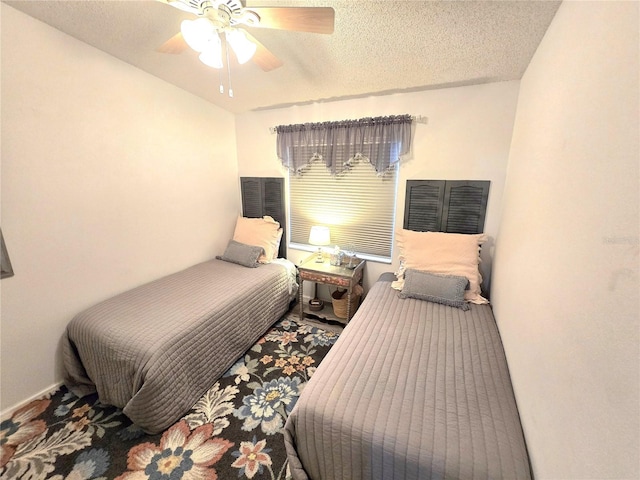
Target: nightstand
[[327, 274]]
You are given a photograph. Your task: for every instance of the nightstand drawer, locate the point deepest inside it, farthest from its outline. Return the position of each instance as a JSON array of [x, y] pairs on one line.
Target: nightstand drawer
[[329, 279]]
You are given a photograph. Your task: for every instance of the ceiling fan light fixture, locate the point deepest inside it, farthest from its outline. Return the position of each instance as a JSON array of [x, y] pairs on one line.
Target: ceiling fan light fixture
[[241, 45], [212, 55], [198, 33]]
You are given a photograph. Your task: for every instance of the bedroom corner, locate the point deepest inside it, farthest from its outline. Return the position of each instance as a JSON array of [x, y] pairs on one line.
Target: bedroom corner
[[565, 289], [110, 178]]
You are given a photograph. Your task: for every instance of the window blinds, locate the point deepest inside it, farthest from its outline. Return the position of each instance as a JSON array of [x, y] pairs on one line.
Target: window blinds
[[358, 207]]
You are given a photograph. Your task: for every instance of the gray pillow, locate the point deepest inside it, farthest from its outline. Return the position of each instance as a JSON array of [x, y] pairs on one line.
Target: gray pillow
[[433, 287], [242, 254]]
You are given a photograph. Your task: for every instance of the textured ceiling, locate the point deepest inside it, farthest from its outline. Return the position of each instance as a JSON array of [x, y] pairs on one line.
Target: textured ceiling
[[378, 47]]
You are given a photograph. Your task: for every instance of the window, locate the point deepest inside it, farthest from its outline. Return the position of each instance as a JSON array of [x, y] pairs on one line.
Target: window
[[357, 206], [343, 176]]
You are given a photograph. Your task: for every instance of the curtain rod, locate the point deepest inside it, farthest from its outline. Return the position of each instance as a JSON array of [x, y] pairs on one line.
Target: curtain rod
[[416, 118]]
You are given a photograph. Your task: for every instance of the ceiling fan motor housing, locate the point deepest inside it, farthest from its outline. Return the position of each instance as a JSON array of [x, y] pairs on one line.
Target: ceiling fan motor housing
[[224, 13], [217, 17]]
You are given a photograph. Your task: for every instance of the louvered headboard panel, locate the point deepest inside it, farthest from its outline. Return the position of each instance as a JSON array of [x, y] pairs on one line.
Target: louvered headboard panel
[[265, 196], [452, 206]]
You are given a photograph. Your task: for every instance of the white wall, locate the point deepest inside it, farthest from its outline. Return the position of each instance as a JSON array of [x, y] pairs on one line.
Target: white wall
[[565, 281], [467, 136], [110, 178]]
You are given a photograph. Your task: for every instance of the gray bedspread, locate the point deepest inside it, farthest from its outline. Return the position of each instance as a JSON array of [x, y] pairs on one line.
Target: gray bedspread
[[411, 390], [154, 350]]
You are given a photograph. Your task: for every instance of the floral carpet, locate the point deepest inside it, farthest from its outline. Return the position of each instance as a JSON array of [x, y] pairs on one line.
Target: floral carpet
[[233, 431]]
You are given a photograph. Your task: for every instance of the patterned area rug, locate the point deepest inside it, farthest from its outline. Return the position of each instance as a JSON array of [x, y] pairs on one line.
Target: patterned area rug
[[233, 431]]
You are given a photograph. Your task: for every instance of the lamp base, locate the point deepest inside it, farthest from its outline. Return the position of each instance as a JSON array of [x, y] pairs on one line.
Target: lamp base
[[319, 256]]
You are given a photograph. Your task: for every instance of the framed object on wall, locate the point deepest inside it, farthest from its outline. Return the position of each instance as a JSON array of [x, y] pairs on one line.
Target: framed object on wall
[[7, 269]]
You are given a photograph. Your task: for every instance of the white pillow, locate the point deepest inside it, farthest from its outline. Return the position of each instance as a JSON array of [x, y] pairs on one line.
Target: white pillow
[[262, 232], [443, 253], [277, 244]]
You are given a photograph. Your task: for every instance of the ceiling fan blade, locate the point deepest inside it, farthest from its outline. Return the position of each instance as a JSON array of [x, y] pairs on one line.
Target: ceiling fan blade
[[184, 5], [299, 19], [266, 60], [175, 44]]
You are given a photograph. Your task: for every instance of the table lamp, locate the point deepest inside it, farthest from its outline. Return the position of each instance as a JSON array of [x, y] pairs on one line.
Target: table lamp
[[319, 236]]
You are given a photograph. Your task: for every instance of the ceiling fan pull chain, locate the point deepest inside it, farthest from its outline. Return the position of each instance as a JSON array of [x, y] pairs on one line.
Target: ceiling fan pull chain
[[220, 78], [230, 89]]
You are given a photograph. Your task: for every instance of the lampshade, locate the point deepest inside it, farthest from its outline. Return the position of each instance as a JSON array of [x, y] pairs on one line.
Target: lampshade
[[241, 45], [198, 33], [319, 236]]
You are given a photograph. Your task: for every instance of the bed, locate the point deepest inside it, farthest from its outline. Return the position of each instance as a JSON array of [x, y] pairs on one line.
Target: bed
[[412, 390], [155, 349], [417, 385]]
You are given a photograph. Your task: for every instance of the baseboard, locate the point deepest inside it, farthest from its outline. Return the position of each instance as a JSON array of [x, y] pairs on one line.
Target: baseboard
[[7, 412]]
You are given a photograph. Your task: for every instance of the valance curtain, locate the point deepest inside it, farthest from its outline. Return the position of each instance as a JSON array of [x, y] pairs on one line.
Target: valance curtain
[[381, 140]]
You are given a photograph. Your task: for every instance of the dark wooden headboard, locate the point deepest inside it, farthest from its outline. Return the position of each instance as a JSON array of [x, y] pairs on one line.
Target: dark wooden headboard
[[452, 206], [265, 196]]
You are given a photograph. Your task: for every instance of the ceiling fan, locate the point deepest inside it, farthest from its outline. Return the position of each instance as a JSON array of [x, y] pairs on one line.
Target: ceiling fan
[[221, 21]]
